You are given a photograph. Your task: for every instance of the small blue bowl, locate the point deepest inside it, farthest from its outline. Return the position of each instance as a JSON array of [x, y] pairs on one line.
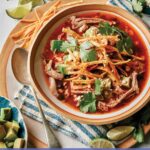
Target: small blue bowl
[[17, 116]]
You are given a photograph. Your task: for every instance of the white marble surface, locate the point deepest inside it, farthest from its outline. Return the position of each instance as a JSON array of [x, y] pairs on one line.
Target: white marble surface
[[6, 25]]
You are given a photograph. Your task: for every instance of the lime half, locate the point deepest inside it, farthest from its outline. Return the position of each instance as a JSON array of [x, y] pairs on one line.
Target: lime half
[[34, 2], [101, 143], [20, 11], [119, 133]]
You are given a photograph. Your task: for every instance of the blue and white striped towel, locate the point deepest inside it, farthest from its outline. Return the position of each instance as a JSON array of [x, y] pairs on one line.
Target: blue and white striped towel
[[81, 132]]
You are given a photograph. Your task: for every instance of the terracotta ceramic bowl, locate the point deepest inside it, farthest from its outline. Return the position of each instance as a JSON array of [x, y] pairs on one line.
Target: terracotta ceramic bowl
[[37, 75]]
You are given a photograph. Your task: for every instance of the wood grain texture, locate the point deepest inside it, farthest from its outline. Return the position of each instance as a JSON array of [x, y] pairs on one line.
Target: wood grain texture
[[4, 57]]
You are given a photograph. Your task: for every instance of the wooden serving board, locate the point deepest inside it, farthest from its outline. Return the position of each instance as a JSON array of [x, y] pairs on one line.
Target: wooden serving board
[[4, 57]]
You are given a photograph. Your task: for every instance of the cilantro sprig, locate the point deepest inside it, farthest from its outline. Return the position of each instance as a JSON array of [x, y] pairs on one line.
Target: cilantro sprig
[[88, 103], [124, 44], [87, 53], [71, 44]]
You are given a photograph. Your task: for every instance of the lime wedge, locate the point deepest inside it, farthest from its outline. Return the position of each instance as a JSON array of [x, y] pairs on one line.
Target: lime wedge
[[20, 11], [101, 143], [119, 133], [34, 2]]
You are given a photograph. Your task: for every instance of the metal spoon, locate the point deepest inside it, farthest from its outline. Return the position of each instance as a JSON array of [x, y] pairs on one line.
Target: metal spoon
[[19, 67]]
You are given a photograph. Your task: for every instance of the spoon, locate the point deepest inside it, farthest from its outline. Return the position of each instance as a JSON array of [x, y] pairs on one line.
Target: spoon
[[19, 67]]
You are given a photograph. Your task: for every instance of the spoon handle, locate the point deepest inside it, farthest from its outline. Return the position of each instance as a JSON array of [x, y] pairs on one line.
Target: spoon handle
[[51, 138]]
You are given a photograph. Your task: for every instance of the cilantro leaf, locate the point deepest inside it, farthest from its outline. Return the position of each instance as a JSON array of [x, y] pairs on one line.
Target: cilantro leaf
[[139, 134], [72, 40], [86, 52], [66, 45], [56, 45], [88, 103], [86, 45], [87, 55], [98, 87], [62, 69], [70, 44], [105, 28], [125, 44]]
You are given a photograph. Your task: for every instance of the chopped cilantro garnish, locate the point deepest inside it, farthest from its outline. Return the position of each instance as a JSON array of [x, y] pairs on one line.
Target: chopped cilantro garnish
[[72, 40], [86, 45], [88, 103], [70, 44], [125, 42], [87, 55], [56, 45], [86, 52]]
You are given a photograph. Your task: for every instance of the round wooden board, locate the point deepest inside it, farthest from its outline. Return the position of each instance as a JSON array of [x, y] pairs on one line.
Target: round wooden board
[[4, 57]]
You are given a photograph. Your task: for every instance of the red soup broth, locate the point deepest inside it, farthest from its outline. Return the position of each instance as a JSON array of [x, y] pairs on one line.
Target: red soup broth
[[139, 49]]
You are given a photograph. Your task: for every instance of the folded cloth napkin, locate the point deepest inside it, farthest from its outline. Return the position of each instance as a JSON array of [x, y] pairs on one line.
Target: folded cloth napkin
[[82, 132]]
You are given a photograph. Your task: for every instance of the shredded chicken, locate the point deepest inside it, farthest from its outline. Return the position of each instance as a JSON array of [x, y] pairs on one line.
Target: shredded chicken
[[51, 72], [103, 106], [82, 23], [53, 87]]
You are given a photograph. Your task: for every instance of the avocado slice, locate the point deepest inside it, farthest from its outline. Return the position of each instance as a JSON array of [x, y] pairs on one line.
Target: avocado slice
[[11, 135], [19, 143], [3, 145], [5, 114], [10, 144], [2, 121], [14, 125], [2, 132], [8, 125]]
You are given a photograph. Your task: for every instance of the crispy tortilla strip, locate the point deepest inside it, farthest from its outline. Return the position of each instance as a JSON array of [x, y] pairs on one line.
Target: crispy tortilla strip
[[28, 20]]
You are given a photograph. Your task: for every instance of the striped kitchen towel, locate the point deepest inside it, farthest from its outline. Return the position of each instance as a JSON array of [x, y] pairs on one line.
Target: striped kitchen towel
[[81, 132]]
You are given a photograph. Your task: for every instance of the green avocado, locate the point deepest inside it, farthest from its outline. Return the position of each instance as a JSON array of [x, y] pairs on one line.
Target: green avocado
[[19, 143], [2, 132], [2, 121], [5, 114], [10, 144], [14, 125], [3, 145], [11, 135], [8, 125]]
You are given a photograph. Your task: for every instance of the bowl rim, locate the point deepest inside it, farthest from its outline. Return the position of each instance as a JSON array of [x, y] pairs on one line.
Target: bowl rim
[[131, 111], [21, 116]]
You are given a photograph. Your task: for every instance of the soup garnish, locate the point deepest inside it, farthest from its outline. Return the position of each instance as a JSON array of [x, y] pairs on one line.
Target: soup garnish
[[93, 64]]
